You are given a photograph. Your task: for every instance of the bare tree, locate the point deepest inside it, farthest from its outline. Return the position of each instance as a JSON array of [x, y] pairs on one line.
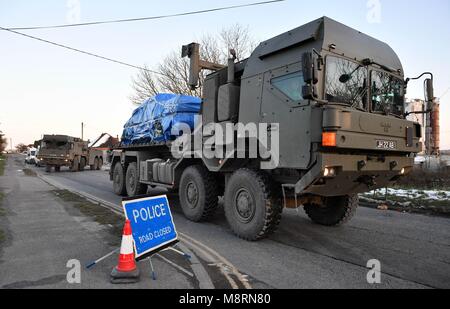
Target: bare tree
[[21, 148], [174, 70]]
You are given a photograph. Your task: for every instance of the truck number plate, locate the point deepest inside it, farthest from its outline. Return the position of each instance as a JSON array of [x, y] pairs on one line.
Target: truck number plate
[[389, 145]]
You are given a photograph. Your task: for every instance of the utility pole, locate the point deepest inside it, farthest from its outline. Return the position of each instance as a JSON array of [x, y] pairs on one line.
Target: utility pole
[[82, 130]]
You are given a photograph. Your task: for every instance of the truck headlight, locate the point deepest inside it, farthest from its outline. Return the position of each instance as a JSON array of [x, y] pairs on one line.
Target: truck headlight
[[329, 172], [403, 171]]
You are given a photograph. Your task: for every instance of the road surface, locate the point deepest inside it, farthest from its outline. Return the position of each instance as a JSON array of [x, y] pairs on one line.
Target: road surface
[[414, 250]]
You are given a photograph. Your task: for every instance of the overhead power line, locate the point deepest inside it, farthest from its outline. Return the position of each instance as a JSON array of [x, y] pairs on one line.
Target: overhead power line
[[81, 51], [147, 18]]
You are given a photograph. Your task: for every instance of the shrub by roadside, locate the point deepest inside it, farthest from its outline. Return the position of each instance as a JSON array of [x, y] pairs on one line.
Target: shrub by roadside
[[426, 180]]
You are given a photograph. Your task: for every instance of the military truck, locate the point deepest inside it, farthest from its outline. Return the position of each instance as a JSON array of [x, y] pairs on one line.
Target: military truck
[[335, 97], [61, 150]]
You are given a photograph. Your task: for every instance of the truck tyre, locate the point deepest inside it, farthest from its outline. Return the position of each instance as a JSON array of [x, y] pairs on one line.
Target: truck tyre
[[252, 205], [99, 164], [57, 168], [119, 180], [198, 193], [82, 164], [48, 168], [75, 164], [132, 184], [334, 211]]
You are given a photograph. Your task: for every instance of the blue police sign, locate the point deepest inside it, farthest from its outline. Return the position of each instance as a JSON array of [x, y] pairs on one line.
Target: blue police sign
[[151, 223]]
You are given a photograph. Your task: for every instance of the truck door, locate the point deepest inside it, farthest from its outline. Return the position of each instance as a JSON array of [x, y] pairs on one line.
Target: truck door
[[282, 103]]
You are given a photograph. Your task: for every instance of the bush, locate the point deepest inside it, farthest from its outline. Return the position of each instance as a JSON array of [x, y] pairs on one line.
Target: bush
[[426, 180]]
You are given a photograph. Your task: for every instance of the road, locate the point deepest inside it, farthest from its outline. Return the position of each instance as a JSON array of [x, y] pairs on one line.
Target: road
[[414, 250]]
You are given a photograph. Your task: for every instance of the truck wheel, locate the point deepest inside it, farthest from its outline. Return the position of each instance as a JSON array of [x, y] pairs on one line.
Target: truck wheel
[[334, 211], [132, 184], [82, 164], [252, 206], [198, 193], [48, 168], [75, 164], [119, 180], [57, 169], [95, 164], [99, 164]]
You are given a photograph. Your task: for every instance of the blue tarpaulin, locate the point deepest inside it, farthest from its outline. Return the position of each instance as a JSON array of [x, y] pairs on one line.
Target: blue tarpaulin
[[152, 122]]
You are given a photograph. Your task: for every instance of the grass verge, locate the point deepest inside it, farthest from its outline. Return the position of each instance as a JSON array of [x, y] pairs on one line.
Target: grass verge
[[2, 164], [2, 210], [110, 220], [2, 213]]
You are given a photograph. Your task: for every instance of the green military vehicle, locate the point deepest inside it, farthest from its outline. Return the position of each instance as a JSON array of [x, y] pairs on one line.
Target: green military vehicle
[[333, 95], [61, 150]]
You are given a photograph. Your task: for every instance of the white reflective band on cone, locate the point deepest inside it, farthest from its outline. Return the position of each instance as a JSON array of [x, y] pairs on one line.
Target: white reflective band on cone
[[127, 245]]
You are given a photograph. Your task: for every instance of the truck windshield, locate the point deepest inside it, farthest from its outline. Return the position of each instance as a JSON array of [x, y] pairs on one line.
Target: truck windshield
[[55, 145], [387, 93], [346, 82]]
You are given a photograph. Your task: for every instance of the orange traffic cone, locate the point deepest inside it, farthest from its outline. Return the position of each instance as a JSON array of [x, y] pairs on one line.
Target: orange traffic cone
[[126, 270]]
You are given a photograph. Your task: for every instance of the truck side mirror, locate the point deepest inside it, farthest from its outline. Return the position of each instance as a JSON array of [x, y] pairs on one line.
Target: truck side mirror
[[429, 89], [309, 68], [310, 76]]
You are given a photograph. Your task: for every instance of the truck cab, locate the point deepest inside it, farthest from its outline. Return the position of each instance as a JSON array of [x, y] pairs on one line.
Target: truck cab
[[338, 97]]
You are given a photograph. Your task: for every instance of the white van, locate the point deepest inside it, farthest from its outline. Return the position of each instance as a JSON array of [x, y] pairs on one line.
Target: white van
[[31, 156]]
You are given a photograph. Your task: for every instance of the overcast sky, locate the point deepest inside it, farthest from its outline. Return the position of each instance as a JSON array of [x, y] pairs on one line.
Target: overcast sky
[[46, 89]]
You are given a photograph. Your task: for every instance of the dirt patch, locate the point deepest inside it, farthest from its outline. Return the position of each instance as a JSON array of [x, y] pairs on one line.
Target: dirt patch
[[29, 172], [112, 222]]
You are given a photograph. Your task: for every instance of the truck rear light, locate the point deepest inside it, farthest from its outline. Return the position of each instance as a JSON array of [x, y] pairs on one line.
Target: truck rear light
[[329, 139]]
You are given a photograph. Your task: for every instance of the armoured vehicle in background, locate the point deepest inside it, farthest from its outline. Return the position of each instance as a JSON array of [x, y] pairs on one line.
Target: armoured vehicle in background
[[61, 150], [336, 98]]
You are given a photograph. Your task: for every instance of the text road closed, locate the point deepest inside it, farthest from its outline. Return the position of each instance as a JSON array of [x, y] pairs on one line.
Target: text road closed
[[151, 223]]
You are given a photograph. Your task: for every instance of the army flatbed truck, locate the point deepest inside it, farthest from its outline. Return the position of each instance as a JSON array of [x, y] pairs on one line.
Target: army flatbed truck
[[337, 97], [61, 150]]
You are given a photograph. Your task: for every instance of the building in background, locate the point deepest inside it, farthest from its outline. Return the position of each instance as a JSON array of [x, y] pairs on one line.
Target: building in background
[[430, 157]]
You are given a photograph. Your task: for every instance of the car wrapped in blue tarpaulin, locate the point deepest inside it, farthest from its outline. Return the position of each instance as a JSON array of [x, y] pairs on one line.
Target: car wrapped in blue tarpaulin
[[153, 121]]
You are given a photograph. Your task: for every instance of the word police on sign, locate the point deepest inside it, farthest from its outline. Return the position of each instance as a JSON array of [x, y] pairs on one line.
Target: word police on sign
[[151, 224]]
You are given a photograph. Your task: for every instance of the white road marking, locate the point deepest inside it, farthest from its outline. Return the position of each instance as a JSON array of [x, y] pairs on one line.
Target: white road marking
[[182, 269], [234, 270]]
